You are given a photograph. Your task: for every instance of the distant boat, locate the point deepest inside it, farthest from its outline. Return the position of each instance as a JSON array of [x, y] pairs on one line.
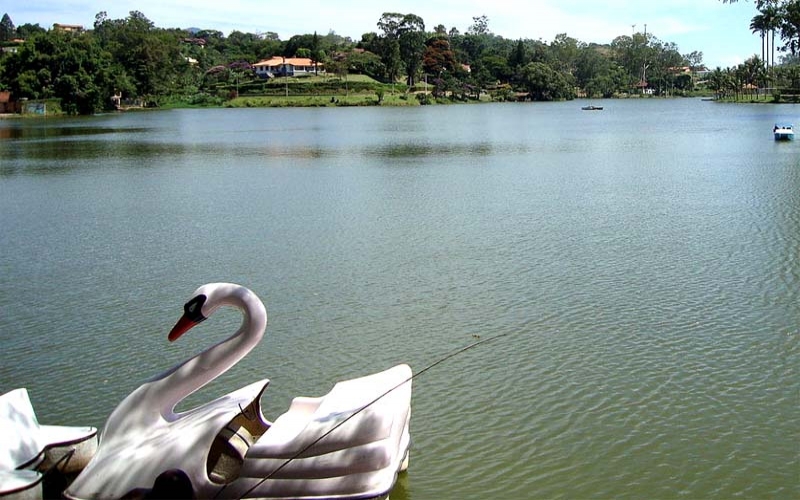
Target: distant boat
[[783, 132], [592, 108]]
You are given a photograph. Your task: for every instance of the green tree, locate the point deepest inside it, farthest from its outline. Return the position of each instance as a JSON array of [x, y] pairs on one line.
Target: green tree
[[633, 53], [753, 73], [412, 46], [298, 42], [590, 63], [518, 57], [695, 61], [7, 29], [239, 46], [789, 24], [613, 80], [392, 59], [779, 15], [150, 57], [496, 66], [543, 83], [664, 62], [480, 26], [565, 51], [365, 63], [716, 82], [317, 54], [409, 32], [598, 75], [338, 66], [26, 30], [67, 66]]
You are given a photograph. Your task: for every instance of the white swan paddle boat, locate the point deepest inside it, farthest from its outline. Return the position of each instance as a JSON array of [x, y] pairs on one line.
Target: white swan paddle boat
[[28, 450], [348, 444]]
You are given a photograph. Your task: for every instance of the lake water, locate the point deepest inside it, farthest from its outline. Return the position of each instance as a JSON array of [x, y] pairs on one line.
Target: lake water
[[641, 265]]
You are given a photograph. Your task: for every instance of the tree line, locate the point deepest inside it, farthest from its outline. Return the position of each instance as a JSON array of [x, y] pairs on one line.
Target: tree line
[[760, 74], [134, 58]]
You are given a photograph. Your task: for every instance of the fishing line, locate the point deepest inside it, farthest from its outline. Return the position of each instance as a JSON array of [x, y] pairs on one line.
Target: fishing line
[[329, 431]]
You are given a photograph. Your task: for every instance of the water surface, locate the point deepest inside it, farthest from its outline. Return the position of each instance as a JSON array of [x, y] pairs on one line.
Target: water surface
[[641, 263]]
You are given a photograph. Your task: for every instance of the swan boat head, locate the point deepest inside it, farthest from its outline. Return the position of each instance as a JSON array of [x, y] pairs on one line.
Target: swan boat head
[[144, 436]]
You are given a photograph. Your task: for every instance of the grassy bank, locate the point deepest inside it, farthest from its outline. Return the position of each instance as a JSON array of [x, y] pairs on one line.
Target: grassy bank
[[321, 101], [308, 91]]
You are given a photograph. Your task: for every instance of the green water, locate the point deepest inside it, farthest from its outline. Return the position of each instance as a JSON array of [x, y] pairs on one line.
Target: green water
[[642, 263]]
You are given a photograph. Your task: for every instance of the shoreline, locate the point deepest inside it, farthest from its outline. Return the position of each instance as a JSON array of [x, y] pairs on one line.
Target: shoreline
[[369, 100]]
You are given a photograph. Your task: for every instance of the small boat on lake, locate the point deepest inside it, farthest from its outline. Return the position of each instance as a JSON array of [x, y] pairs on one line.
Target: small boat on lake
[[783, 132], [592, 107]]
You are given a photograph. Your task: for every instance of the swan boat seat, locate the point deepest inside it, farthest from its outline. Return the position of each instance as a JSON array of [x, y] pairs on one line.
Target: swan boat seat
[[27, 448]]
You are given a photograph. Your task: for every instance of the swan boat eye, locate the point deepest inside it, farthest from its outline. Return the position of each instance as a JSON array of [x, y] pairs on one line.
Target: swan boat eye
[[193, 309]]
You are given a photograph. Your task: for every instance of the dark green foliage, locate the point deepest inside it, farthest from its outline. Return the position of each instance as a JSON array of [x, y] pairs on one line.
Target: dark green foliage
[[63, 65], [7, 29], [544, 83], [134, 58]]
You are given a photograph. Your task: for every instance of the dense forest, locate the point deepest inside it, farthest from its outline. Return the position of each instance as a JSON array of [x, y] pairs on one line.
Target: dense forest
[[130, 57]]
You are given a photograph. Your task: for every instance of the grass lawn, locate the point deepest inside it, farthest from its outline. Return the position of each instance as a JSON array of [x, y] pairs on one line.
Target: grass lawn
[[321, 101]]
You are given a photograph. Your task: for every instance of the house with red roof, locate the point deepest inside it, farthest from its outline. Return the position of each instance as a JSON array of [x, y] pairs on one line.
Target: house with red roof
[[287, 66]]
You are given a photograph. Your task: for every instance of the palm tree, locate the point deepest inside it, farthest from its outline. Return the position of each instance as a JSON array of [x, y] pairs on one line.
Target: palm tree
[[759, 25], [769, 20], [751, 74], [772, 21], [716, 81], [733, 81]]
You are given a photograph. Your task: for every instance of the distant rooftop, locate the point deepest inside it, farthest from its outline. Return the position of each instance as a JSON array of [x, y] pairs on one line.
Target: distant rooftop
[[77, 28]]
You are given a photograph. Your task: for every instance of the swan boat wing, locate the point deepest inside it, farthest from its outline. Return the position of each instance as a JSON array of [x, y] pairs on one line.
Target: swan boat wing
[[350, 443], [26, 444], [135, 449]]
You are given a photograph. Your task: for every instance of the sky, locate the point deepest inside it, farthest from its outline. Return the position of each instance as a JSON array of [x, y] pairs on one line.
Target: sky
[[720, 31]]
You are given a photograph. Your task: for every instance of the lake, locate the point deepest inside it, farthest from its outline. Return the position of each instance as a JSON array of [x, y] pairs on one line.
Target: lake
[[639, 265]]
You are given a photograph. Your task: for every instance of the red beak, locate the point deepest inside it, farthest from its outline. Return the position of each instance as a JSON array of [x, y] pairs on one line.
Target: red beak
[[182, 326]]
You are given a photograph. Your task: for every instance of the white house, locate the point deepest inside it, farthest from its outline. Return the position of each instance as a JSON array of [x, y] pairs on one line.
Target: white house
[[286, 66]]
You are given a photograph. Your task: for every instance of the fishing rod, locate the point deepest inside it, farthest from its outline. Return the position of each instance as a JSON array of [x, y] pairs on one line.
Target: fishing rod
[[356, 412]]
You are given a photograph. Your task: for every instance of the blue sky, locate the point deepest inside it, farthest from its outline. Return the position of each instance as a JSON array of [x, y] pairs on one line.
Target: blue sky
[[720, 31]]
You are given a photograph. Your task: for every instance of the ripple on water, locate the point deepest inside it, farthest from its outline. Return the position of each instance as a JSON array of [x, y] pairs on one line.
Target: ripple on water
[[646, 283]]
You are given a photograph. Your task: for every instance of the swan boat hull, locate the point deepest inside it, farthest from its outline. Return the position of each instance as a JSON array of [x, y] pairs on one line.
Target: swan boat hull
[[348, 444]]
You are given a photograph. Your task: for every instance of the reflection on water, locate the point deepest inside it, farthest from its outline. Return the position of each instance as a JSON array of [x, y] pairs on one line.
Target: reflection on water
[[55, 130], [641, 262], [432, 150]]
